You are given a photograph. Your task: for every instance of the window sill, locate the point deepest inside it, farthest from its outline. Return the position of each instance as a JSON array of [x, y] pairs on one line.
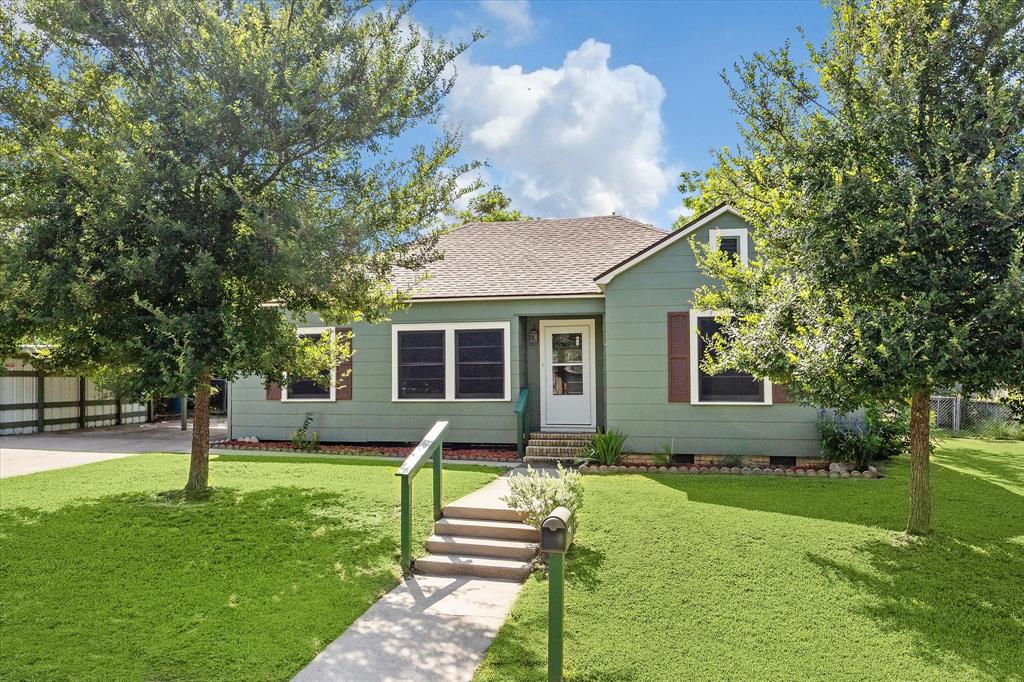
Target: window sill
[[453, 400], [307, 400], [729, 402]]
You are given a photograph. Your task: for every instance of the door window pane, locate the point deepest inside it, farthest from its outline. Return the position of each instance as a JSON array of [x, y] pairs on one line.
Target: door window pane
[[567, 380], [727, 386], [479, 363], [567, 348], [421, 364]]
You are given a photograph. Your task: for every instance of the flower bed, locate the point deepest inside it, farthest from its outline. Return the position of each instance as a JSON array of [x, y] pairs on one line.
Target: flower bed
[[454, 453], [749, 471]]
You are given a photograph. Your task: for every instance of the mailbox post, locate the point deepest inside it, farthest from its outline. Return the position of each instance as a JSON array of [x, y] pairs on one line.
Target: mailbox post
[[555, 537]]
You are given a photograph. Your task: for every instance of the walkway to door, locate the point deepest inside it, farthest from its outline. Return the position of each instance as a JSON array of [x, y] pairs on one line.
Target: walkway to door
[[428, 629]]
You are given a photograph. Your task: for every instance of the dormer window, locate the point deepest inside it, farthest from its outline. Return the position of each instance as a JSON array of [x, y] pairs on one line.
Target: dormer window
[[733, 242]]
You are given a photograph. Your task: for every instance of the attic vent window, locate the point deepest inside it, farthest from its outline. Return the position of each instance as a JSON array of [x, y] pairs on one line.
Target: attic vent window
[[732, 241]]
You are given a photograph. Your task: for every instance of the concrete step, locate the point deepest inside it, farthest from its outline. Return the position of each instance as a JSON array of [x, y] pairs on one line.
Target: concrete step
[[568, 435], [479, 567], [463, 511], [485, 547], [479, 528]]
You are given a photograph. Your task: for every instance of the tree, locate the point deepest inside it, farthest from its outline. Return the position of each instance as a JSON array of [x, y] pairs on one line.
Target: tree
[[883, 180], [491, 206], [182, 181]]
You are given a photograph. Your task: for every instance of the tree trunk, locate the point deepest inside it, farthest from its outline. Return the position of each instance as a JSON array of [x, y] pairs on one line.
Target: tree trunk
[[199, 466], [920, 476]]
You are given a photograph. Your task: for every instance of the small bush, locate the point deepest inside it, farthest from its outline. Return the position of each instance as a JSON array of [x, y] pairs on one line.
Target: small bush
[[662, 457], [303, 440], [606, 447], [731, 461], [882, 432], [890, 424], [538, 493], [1014, 402]]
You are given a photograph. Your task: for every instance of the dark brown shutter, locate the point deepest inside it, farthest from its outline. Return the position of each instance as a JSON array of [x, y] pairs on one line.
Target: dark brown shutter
[[343, 373], [273, 391], [679, 357], [780, 394]]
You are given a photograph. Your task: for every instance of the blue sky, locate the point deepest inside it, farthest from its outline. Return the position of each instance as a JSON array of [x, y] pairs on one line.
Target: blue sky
[[589, 107]]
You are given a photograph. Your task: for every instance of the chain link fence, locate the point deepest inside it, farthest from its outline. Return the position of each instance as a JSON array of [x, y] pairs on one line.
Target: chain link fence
[[974, 418]]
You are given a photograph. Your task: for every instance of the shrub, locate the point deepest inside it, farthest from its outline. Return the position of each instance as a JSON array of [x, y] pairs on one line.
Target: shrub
[[882, 432], [1014, 402], [606, 447], [662, 457], [731, 461], [302, 439], [890, 423], [538, 493]]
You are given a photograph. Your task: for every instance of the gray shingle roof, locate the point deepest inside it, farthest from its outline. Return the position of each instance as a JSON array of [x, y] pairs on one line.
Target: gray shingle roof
[[554, 257]]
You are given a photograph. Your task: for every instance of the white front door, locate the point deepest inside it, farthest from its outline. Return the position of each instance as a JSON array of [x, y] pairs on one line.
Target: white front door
[[567, 374]]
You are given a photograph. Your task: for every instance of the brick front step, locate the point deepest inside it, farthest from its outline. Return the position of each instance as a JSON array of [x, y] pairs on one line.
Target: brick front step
[[575, 436], [564, 461], [549, 451]]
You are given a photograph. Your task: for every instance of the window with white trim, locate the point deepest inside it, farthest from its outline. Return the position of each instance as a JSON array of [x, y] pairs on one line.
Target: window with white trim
[[450, 361], [733, 241], [729, 387], [309, 389]]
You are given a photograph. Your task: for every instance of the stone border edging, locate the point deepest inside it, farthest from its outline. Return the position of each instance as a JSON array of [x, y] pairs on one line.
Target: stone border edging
[[749, 471]]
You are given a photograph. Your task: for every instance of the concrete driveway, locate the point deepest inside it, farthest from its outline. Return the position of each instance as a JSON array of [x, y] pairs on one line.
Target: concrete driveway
[[34, 452]]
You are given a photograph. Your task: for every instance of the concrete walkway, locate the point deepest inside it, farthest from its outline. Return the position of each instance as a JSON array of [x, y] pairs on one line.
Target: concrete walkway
[[428, 629], [34, 452]]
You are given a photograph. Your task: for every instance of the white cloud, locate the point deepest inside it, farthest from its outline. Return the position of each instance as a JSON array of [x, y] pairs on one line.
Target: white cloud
[[514, 15], [582, 139]]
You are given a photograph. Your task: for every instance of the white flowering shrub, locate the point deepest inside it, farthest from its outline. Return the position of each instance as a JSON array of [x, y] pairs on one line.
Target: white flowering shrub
[[538, 493]]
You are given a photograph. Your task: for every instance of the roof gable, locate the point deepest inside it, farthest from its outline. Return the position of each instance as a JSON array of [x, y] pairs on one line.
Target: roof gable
[[668, 240]]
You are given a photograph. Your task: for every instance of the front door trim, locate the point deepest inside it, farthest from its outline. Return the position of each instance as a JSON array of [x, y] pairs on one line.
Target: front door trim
[[545, 351]]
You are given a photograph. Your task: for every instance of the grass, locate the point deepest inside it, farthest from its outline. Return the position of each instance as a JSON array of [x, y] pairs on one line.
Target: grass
[[106, 575], [740, 578]]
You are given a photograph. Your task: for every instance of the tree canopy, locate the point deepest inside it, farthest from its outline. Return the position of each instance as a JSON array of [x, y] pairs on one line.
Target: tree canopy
[[492, 206], [883, 180], [181, 181]]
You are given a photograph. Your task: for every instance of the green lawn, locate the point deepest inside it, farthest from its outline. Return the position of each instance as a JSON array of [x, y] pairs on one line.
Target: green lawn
[[104, 575], [740, 578]]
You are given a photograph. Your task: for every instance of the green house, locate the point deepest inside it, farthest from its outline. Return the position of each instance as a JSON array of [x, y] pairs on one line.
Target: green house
[[585, 322]]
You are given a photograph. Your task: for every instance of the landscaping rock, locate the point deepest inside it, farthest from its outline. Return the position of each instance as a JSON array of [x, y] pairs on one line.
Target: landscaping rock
[[603, 468], [713, 470], [844, 474], [869, 474], [673, 470], [790, 472], [833, 474], [734, 470], [779, 472], [746, 471], [662, 469], [854, 474], [873, 470], [822, 473], [693, 470], [839, 466], [757, 471], [703, 470]]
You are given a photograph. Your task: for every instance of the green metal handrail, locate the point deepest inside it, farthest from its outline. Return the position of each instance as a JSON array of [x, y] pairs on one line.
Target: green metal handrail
[[521, 417], [429, 448]]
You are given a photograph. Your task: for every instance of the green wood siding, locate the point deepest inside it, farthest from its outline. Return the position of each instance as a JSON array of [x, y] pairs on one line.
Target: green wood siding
[[636, 306], [371, 416]]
